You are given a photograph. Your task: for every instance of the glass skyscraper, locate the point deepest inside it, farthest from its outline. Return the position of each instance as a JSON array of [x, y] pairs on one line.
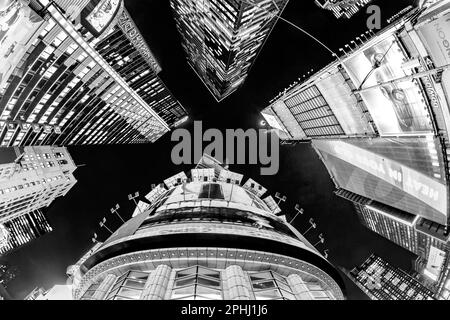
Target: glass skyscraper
[[222, 38], [60, 83]]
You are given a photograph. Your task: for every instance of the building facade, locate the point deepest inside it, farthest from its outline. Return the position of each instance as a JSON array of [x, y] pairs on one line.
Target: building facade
[[24, 229], [31, 178], [61, 85], [343, 8], [378, 120], [206, 238], [381, 281], [223, 38]]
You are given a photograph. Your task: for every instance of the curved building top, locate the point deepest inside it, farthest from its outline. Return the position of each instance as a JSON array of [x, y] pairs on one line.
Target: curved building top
[[210, 220]]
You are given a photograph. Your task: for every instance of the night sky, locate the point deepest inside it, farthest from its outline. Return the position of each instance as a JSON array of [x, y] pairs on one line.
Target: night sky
[[112, 172]]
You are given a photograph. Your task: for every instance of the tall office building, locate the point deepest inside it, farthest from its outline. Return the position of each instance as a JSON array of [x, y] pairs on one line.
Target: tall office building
[[24, 229], [377, 119], [59, 83], [427, 239], [207, 238], [31, 178], [381, 281], [223, 38], [343, 8]]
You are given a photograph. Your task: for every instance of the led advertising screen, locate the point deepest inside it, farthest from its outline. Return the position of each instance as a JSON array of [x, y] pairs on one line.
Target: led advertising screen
[[98, 15], [382, 179], [436, 37], [423, 154], [396, 107], [19, 27]]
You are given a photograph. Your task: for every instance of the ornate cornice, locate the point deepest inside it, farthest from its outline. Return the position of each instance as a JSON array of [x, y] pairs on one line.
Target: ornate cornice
[[215, 258]]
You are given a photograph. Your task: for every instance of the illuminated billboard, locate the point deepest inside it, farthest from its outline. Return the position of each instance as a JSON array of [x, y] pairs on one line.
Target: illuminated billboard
[[19, 27], [396, 107], [423, 154], [436, 37], [380, 178], [99, 15]]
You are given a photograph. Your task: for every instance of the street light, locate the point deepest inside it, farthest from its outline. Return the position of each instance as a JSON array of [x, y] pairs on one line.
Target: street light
[[133, 197], [103, 225], [94, 239], [313, 226], [325, 253], [280, 198], [114, 211], [322, 239], [299, 211]]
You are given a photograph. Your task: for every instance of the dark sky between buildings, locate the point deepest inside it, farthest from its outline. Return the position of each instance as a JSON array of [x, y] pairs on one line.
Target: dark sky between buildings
[[112, 172]]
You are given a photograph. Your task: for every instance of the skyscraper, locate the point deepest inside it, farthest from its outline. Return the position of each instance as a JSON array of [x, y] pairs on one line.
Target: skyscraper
[[343, 8], [7, 274], [207, 238], [375, 117], [59, 84], [24, 229], [382, 281], [223, 38], [31, 178]]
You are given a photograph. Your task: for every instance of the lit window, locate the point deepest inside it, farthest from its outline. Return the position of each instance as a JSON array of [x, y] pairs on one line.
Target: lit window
[[270, 286], [197, 283], [129, 286]]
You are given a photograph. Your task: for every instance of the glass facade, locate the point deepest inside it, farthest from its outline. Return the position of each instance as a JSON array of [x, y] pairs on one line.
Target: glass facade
[[271, 286], [222, 38], [381, 281], [24, 229], [68, 87], [197, 283], [129, 286]]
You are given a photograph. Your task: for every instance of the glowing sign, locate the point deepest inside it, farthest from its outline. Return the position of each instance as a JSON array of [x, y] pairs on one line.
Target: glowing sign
[[395, 107], [409, 183], [102, 14]]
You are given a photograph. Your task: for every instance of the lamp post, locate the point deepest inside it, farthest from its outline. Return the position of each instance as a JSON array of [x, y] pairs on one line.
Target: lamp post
[[280, 198], [322, 240], [299, 210], [134, 197], [114, 211], [313, 226], [94, 238], [325, 253], [103, 225]]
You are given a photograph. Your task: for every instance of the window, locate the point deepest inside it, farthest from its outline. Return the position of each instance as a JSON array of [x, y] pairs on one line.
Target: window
[[129, 286], [90, 292], [197, 283], [211, 191], [270, 286]]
